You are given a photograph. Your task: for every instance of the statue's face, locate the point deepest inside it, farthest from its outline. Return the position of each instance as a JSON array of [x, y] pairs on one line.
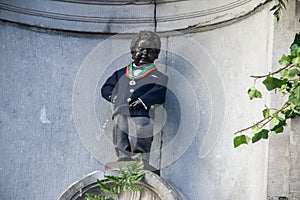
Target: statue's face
[[144, 53]]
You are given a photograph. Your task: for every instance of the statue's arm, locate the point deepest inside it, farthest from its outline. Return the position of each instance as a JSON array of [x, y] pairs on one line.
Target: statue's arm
[[157, 94], [109, 86]]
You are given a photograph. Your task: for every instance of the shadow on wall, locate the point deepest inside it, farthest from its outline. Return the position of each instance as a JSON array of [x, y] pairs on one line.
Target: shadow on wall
[[188, 106]]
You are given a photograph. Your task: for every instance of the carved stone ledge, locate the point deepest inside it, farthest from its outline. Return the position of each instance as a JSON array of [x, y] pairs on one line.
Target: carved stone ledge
[[118, 2], [79, 17], [196, 13], [121, 16]]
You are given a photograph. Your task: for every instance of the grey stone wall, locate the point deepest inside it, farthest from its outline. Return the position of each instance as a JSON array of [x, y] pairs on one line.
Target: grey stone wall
[[283, 169], [294, 173], [41, 154], [49, 141], [222, 172]]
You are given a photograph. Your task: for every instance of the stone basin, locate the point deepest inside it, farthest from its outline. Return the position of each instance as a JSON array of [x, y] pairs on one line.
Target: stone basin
[[156, 188]]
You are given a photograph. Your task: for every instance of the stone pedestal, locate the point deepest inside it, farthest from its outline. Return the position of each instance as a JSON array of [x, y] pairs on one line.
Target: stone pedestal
[[155, 187]]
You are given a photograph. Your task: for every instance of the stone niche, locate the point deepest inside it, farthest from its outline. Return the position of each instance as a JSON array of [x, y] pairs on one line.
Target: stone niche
[[121, 16], [204, 177]]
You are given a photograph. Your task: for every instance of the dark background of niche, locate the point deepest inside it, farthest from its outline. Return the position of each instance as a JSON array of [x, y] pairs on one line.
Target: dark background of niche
[[175, 109]]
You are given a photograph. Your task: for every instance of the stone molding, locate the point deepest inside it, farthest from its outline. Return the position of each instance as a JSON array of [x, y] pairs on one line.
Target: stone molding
[[118, 2], [187, 14], [120, 16]]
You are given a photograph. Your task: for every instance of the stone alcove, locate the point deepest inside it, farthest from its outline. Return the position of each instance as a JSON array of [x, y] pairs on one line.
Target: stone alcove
[[58, 35]]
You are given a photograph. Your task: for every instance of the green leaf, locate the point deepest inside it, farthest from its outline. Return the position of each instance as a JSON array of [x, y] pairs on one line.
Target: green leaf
[[104, 187], [289, 112], [271, 83], [114, 179], [268, 1], [123, 172], [294, 101], [265, 134], [277, 124], [282, 3], [292, 73], [255, 129], [285, 60], [279, 129], [96, 197], [256, 137], [239, 140], [266, 112], [296, 82], [254, 93], [297, 39], [297, 92], [115, 185], [294, 49], [284, 73], [274, 7], [262, 134], [296, 61], [136, 188]]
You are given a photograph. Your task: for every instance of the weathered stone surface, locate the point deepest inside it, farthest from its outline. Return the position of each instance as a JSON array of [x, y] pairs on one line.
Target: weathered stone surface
[[79, 16], [124, 16], [195, 13], [41, 153], [294, 175], [221, 172], [40, 148], [283, 151]]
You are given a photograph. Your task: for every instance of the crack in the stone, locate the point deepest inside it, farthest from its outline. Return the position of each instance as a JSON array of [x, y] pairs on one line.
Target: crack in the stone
[[155, 16]]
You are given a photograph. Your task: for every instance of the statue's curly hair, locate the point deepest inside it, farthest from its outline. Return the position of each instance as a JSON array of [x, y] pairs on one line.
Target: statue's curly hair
[[146, 35]]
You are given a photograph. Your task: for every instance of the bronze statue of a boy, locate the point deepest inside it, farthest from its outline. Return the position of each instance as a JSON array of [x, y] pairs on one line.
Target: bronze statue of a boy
[[134, 91]]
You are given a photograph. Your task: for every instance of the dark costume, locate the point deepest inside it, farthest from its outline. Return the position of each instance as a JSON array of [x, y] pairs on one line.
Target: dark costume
[[150, 89]]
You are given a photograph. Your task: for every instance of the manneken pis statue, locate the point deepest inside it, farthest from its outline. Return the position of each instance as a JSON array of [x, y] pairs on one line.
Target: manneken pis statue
[[134, 91]]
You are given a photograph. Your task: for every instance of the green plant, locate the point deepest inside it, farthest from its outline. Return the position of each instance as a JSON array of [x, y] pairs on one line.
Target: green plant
[[128, 181], [96, 197], [278, 7], [286, 80]]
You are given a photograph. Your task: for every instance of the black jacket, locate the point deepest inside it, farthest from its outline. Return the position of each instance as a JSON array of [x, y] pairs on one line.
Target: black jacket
[[151, 90]]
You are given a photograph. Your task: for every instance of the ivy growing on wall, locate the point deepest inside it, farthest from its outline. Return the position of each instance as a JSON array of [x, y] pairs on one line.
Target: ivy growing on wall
[[286, 81]]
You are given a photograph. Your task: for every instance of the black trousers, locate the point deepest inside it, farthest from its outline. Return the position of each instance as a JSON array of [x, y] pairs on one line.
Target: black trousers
[[133, 135]]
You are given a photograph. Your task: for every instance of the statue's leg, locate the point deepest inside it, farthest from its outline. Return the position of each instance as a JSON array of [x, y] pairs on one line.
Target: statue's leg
[[120, 137], [142, 136]]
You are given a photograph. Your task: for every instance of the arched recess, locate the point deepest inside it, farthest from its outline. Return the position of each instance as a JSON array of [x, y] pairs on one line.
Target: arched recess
[[124, 16]]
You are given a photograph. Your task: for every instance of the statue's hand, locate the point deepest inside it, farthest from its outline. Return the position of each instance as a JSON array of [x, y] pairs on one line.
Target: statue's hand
[[113, 101], [136, 105]]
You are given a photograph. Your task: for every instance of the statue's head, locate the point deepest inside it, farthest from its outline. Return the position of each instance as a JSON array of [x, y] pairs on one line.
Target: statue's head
[[145, 47]]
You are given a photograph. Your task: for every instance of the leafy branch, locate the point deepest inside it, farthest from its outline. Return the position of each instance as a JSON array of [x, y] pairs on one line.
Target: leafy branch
[[268, 118], [272, 73], [286, 80], [128, 181], [278, 7]]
